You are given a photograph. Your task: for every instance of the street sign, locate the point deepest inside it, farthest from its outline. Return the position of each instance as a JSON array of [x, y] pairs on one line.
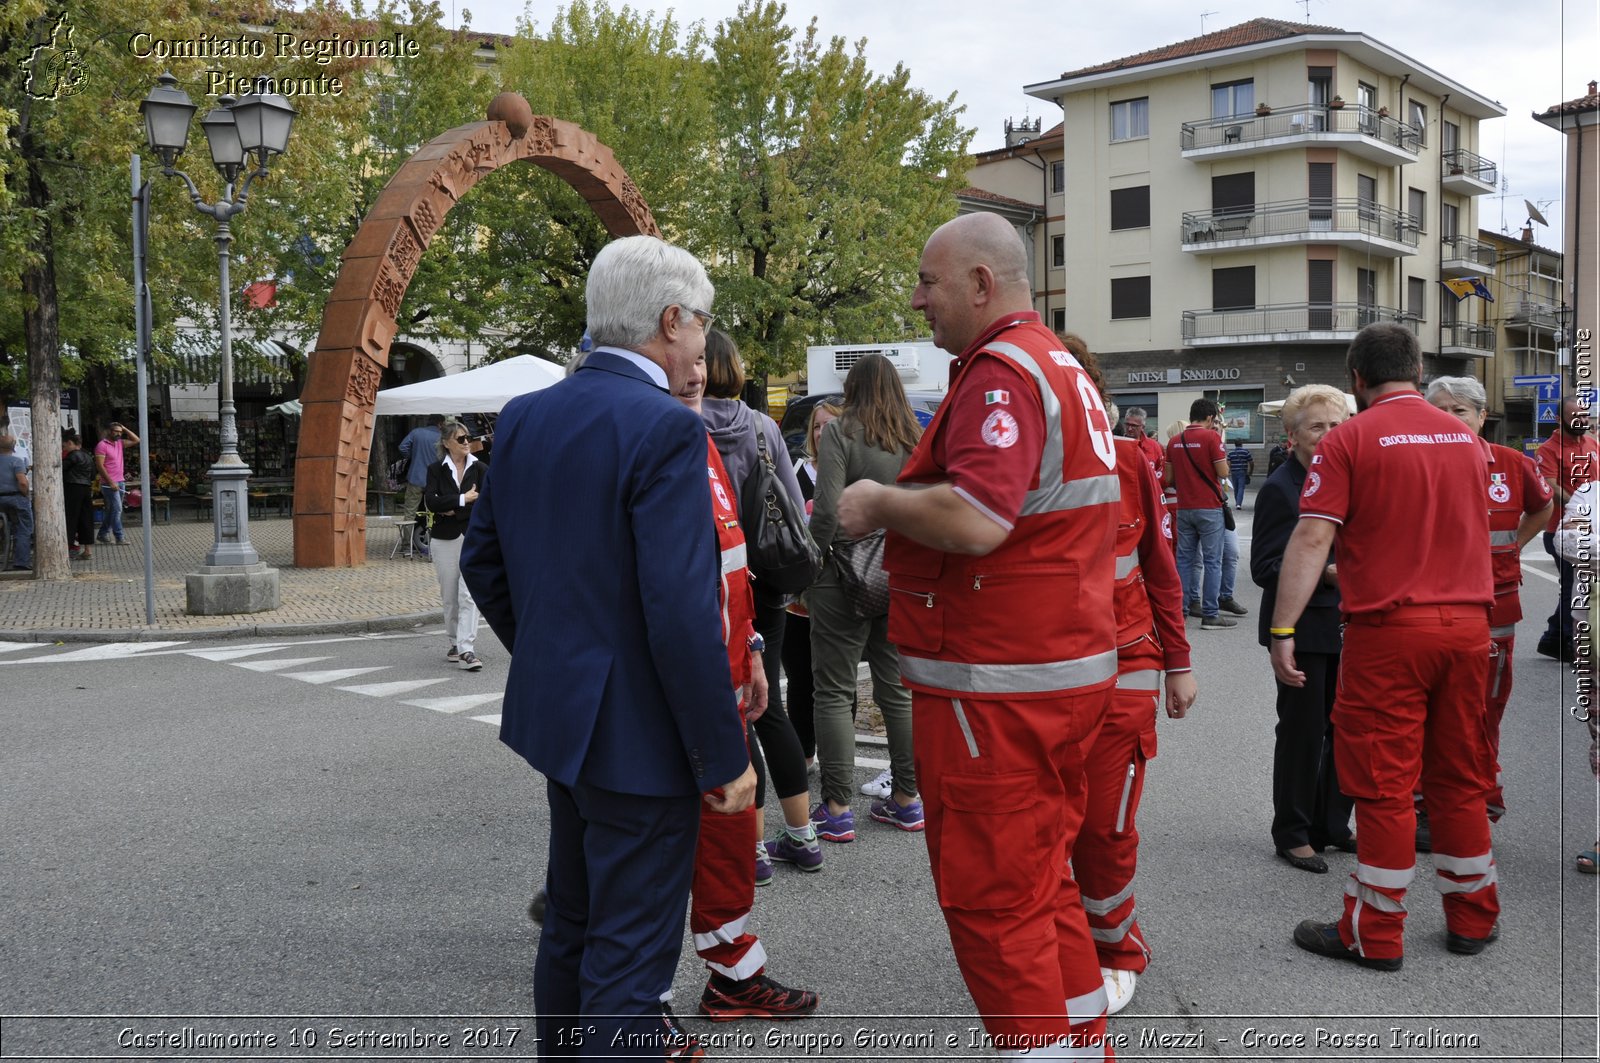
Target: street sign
[[1534, 381], [1547, 413], [1549, 392]]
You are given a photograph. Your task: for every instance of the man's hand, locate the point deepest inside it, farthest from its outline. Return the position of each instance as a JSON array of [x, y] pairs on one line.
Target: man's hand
[[1330, 574], [855, 508], [1283, 665], [755, 692], [736, 796], [1181, 692]]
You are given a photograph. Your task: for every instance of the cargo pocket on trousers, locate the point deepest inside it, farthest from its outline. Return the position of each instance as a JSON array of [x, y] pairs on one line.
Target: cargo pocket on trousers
[[990, 855]]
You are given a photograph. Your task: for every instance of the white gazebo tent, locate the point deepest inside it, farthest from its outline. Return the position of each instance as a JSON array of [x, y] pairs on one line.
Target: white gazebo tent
[[483, 390], [1275, 407]]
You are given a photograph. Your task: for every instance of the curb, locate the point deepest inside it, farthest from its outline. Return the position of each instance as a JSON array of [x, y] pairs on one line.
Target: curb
[[144, 633]]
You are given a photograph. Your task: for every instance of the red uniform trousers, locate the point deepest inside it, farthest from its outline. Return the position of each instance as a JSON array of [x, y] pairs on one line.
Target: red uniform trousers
[[1003, 791], [1106, 855], [1410, 707], [1501, 650], [724, 891]]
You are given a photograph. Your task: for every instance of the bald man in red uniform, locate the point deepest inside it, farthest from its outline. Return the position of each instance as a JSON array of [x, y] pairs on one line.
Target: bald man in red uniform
[[1416, 650]]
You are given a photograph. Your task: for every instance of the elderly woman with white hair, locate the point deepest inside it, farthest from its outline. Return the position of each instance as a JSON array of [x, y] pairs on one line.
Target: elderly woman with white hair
[[1519, 508], [1309, 813]]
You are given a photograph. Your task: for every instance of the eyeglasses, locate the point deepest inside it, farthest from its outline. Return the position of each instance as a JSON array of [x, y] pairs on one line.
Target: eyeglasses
[[706, 320], [459, 439]]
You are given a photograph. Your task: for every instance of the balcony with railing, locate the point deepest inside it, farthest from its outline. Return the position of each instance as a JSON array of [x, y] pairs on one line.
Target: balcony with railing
[[1467, 174], [1462, 339], [1531, 314], [1463, 256], [1360, 130], [1373, 229], [1285, 323]]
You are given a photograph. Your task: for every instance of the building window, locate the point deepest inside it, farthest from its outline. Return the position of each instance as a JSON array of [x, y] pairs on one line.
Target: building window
[[1130, 119], [1240, 421], [1058, 177], [1449, 138], [1233, 288], [1130, 297], [1450, 221], [1234, 193], [1130, 208], [1058, 320], [1416, 298], [1058, 252], [1419, 123], [1366, 297], [1417, 207], [1235, 99], [1366, 196]]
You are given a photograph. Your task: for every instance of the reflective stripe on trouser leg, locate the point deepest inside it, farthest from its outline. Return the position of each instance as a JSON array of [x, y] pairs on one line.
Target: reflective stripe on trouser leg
[[1464, 874], [1499, 695], [723, 892], [1000, 827], [1106, 855]]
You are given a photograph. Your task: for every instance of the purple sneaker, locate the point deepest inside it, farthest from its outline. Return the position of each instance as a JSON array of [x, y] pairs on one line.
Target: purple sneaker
[[907, 818], [802, 853], [840, 828], [763, 864]]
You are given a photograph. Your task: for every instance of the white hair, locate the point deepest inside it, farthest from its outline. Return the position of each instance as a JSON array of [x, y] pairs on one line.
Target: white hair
[[1464, 388], [635, 278]]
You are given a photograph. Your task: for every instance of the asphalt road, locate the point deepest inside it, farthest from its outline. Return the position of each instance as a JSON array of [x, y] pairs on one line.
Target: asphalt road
[[233, 850]]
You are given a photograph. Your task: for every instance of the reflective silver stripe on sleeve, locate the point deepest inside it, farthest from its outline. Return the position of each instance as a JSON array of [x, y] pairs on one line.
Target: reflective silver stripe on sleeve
[[1010, 678], [1075, 494], [1471, 885], [1105, 906], [1503, 632], [1502, 538], [966, 727], [1126, 563], [1114, 934], [1367, 895], [1086, 1008], [1146, 679], [734, 558], [1387, 877], [1053, 458]]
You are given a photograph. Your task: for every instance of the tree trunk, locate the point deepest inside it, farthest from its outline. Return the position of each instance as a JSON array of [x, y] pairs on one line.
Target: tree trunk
[[44, 383]]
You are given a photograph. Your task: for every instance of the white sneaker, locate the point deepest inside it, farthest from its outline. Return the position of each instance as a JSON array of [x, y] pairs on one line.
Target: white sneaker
[[1119, 988], [881, 786]]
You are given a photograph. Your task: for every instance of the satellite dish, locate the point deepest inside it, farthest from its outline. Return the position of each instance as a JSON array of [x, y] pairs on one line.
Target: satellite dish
[[1533, 212]]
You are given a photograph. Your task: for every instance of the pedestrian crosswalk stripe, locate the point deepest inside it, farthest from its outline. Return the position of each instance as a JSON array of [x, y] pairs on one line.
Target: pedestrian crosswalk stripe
[[493, 717], [332, 675], [12, 647], [273, 666], [232, 653], [109, 651], [460, 703], [383, 690]]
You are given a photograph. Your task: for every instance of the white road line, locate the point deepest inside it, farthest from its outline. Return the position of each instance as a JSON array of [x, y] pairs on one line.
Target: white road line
[[460, 703], [1541, 574], [332, 675], [493, 717], [273, 666], [12, 647], [233, 653], [110, 651], [383, 690]]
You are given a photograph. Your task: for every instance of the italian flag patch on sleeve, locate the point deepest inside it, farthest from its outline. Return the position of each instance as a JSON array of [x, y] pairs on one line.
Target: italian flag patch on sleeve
[[997, 398]]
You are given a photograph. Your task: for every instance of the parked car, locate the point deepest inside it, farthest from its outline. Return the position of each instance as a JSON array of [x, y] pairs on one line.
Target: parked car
[[798, 414]]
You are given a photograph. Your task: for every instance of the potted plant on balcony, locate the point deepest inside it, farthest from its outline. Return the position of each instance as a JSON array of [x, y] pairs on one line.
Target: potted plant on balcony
[[1383, 112], [1262, 110], [1336, 103]]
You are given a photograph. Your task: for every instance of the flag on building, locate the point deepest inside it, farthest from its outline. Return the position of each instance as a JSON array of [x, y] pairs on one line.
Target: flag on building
[[1461, 287]]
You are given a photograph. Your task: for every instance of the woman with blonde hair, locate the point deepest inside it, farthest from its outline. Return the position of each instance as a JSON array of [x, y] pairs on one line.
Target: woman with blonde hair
[[872, 439], [449, 493]]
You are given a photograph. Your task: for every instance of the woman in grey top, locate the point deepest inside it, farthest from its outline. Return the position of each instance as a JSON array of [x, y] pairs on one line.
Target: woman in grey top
[[871, 440]]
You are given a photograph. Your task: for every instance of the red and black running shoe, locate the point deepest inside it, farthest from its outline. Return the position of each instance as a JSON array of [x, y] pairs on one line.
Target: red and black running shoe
[[756, 997], [681, 1044]]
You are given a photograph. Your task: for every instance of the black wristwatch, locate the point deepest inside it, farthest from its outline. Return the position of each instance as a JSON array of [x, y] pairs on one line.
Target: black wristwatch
[[756, 644]]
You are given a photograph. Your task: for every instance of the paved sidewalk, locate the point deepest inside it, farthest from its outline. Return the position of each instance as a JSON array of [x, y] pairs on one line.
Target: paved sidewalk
[[105, 599]]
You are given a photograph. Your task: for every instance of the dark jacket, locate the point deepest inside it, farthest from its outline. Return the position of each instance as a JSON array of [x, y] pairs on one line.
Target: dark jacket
[[443, 498], [1276, 514], [732, 426]]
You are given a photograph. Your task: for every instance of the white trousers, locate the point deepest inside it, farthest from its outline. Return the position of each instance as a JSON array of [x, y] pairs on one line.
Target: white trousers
[[460, 611]]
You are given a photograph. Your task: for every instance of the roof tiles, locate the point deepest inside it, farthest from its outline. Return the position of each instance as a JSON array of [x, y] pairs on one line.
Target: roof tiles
[[1256, 31]]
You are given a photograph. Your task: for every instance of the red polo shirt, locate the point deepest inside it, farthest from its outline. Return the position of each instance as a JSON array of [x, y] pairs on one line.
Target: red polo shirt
[[1407, 485], [1515, 488], [1193, 455], [1571, 463]]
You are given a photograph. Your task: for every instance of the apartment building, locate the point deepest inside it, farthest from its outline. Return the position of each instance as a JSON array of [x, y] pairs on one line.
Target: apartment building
[[1579, 120], [1025, 183], [1237, 206], [1525, 281]]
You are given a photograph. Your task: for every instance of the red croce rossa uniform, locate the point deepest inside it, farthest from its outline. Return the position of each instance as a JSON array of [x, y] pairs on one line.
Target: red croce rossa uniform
[[1007, 682], [1150, 641], [1415, 661]]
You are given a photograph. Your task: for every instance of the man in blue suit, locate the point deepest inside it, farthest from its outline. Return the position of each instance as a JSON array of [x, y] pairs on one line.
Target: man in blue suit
[[593, 557]]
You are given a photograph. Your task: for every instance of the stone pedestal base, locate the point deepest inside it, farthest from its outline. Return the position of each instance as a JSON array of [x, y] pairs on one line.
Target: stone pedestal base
[[221, 589]]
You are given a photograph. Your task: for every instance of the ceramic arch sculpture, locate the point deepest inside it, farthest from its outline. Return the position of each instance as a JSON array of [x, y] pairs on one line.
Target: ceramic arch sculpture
[[358, 324]]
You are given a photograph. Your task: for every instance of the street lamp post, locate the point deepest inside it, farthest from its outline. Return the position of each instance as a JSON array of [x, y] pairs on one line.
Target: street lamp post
[[240, 133]]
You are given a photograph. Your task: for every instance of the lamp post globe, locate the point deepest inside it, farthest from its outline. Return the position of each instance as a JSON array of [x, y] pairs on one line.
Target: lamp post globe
[[167, 111], [222, 135]]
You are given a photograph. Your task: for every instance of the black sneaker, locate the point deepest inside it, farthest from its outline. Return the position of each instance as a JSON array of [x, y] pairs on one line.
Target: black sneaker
[[680, 1043], [1211, 623], [454, 655], [470, 662], [1228, 605], [537, 906], [1471, 946], [1194, 609], [756, 997], [1323, 939]]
